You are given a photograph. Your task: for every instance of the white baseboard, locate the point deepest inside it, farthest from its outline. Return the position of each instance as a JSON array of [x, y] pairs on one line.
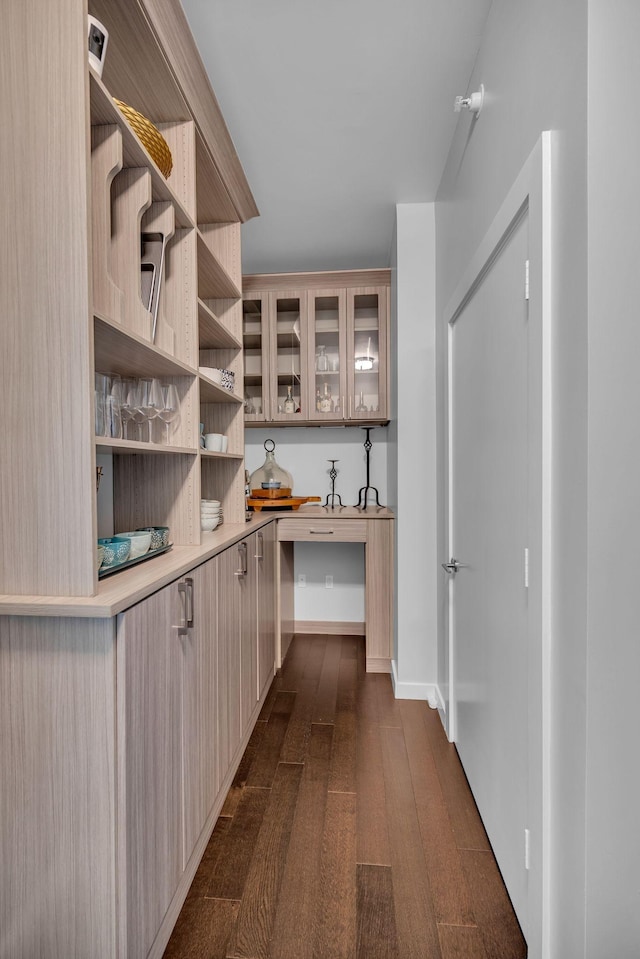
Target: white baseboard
[[429, 692]]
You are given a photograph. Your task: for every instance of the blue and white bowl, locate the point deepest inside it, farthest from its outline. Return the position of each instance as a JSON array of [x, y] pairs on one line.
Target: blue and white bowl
[[116, 550]]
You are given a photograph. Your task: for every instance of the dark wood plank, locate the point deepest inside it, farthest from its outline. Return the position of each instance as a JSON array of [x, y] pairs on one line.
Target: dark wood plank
[[342, 773], [492, 907], [298, 734], [227, 878], [351, 645], [240, 779], [295, 661], [461, 942], [263, 768], [415, 916], [315, 658], [294, 921], [449, 891], [325, 705], [372, 829], [463, 813], [335, 933], [208, 863], [376, 924], [203, 930], [388, 705], [252, 934]]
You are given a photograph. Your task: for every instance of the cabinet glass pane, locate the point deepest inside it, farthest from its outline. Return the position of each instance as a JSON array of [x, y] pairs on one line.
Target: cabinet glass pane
[[326, 351], [253, 345], [288, 355], [366, 354]]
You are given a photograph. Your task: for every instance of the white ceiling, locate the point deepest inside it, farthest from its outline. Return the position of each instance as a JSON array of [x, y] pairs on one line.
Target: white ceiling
[[339, 109]]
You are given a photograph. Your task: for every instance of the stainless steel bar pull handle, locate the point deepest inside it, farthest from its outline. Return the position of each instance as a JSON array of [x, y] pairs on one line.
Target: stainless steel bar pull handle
[[189, 584], [453, 566], [320, 532], [260, 542], [184, 626], [242, 549]]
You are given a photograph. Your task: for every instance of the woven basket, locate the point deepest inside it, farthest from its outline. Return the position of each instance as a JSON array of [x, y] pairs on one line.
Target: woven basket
[[150, 137]]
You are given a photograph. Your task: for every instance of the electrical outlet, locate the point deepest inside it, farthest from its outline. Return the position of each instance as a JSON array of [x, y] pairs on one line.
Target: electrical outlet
[[302, 580], [328, 582]]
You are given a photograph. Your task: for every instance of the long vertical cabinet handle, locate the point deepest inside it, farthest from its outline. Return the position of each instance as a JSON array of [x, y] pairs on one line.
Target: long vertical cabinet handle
[[242, 550], [190, 604], [260, 541], [184, 625]]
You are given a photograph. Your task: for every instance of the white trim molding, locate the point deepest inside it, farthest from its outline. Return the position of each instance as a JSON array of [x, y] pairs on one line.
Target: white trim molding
[[429, 692]]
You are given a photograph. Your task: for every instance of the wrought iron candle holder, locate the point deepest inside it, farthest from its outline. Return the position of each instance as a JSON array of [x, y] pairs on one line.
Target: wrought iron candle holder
[[332, 496], [365, 490]]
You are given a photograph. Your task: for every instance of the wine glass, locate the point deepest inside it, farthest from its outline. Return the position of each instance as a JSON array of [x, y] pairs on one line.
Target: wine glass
[[154, 402], [169, 412]]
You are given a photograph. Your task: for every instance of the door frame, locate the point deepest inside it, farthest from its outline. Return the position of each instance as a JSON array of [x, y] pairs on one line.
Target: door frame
[[531, 193]]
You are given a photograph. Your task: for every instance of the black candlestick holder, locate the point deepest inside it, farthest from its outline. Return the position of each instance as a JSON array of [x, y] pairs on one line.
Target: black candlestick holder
[[333, 496], [365, 490]]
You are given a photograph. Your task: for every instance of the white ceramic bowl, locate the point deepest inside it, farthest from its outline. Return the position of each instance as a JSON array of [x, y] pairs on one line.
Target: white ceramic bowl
[[210, 502], [210, 509], [140, 542], [208, 523]]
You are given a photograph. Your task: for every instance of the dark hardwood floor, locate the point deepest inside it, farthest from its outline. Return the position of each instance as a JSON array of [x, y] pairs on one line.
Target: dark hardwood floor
[[349, 832]]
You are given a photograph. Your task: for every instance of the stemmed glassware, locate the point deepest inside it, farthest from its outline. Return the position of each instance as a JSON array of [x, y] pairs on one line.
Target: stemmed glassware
[[169, 412], [121, 401]]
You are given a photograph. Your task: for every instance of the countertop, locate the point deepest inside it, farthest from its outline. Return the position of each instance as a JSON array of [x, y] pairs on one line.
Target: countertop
[[120, 591]]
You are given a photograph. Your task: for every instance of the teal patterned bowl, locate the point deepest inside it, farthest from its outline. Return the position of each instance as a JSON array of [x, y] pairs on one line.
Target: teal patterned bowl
[[116, 550]]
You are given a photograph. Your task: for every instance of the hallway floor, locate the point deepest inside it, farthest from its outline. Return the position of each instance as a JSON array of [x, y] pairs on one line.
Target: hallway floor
[[349, 832]]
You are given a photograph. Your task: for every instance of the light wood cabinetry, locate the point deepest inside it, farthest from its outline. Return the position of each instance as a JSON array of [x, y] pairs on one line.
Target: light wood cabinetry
[[316, 348], [150, 669], [71, 291], [265, 559]]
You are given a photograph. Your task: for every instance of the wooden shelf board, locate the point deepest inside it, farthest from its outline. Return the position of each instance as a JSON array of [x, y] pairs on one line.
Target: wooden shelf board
[[214, 202], [211, 392], [104, 111], [213, 334], [252, 341], [117, 350], [252, 379], [132, 447], [213, 280], [250, 422], [211, 455]]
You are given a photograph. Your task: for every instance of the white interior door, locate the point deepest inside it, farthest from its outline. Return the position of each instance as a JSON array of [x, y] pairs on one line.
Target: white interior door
[[488, 536]]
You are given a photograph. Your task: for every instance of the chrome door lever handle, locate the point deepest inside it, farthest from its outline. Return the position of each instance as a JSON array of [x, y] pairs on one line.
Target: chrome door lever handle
[[453, 566]]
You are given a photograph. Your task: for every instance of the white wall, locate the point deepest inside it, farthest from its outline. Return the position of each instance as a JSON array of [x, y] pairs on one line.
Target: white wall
[[613, 665], [412, 461], [533, 63], [305, 453]]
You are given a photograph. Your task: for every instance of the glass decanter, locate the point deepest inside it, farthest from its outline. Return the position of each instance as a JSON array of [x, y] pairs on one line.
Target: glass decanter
[[270, 474]]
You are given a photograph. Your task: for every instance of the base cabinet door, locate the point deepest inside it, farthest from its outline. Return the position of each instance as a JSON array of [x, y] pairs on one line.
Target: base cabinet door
[[248, 587], [200, 702], [150, 662], [229, 567], [266, 576]]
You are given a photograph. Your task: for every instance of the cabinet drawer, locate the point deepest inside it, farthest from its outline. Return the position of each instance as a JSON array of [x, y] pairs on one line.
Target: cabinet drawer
[[323, 530]]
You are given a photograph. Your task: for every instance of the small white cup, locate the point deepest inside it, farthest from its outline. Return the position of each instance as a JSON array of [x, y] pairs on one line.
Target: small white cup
[[225, 444], [213, 442]]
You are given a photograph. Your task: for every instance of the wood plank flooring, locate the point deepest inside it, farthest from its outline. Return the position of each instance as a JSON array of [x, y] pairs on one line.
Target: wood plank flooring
[[349, 832]]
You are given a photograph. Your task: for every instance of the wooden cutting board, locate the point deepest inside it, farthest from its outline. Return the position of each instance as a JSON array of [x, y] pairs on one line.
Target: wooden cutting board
[[284, 502]]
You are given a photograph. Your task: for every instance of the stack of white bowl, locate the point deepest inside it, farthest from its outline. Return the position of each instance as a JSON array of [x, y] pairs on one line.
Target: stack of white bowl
[[209, 514]]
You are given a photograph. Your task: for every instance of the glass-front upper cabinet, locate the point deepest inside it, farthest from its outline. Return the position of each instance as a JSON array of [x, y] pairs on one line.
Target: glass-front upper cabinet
[[288, 356], [367, 352], [255, 340], [327, 355]]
